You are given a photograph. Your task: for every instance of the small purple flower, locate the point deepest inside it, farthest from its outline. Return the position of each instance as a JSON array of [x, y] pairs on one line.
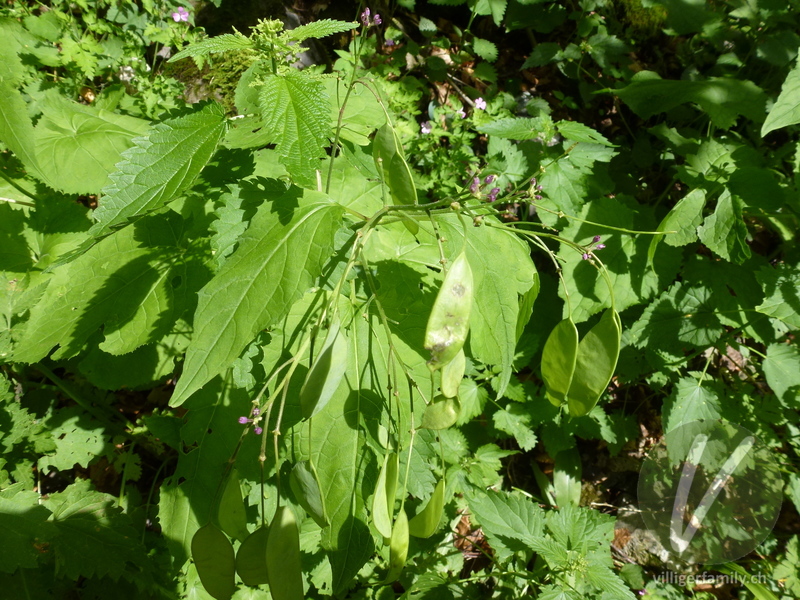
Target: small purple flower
[[480, 104], [256, 411], [377, 20], [493, 194], [244, 420], [489, 179], [365, 17], [181, 15], [389, 43], [475, 185], [585, 256], [426, 127], [460, 113], [595, 239], [258, 430], [533, 181], [600, 246], [537, 197]]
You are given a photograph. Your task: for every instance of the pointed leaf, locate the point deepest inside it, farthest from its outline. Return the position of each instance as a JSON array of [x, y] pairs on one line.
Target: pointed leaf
[[786, 110], [277, 260]]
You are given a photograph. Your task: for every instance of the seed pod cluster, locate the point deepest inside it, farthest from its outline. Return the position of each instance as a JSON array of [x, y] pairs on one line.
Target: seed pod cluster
[[448, 323], [579, 372]]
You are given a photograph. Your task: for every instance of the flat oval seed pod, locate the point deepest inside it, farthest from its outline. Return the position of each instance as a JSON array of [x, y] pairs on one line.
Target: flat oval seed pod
[[213, 556], [398, 548], [283, 557], [391, 163], [441, 413], [452, 374], [305, 487], [448, 324], [385, 491], [251, 559], [558, 360], [230, 512], [326, 373], [426, 522], [597, 358]]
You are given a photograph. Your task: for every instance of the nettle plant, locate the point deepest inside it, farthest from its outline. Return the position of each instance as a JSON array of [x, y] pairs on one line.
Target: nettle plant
[[335, 328]]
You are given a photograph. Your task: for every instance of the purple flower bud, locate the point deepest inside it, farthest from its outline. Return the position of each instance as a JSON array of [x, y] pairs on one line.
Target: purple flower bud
[[389, 43], [377, 19], [537, 197], [256, 411], [533, 181], [585, 256], [489, 179], [425, 127], [493, 194], [600, 246], [258, 430], [473, 188], [244, 420], [539, 188], [365, 17], [596, 239]]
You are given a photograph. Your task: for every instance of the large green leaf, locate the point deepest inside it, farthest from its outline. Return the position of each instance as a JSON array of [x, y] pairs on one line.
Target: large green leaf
[[16, 129], [782, 371], [722, 99], [297, 109], [786, 110], [135, 276], [161, 165], [78, 146], [511, 521], [781, 285], [278, 258], [725, 232], [693, 399], [22, 521]]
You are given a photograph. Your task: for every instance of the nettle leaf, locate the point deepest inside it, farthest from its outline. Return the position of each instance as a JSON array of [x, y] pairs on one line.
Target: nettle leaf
[[23, 523], [278, 258], [319, 29], [297, 109], [724, 231], [578, 132], [161, 165], [78, 146], [78, 439], [722, 99], [16, 129], [625, 257], [782, 371], [574, 177], [693, 399], [518, 128], [682, 221], [515, 420], [786, 110], [485, 49], [95, 538], [221, 43], [510, 521], [132, 287], [781, 285]]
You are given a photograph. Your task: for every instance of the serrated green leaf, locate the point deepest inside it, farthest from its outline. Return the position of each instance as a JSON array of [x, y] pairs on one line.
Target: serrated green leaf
[[786, 110], [518, 128], [16, 129], [693, 399], [725, 232], [485, 49], [319, 29], [297, 109], [510, 520], [221, 43], [126, 286], [578, 132], [781, 286], [515, 420], [683, 219], [782, 371], [78, 146], [160, 165], [277, 260], [568, 180], [722, 99], [23, 521]]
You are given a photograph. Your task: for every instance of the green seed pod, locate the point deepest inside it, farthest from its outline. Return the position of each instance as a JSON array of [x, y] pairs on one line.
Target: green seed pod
[[230, 512], [283, 557], [305, 487], [597, 359], [385, 491], [448, 324], [452, 374], [558, 360], [398, 548], [441, 413], [426, 522], [326, 373], [214, 559], [251, 559], [392, 166]]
